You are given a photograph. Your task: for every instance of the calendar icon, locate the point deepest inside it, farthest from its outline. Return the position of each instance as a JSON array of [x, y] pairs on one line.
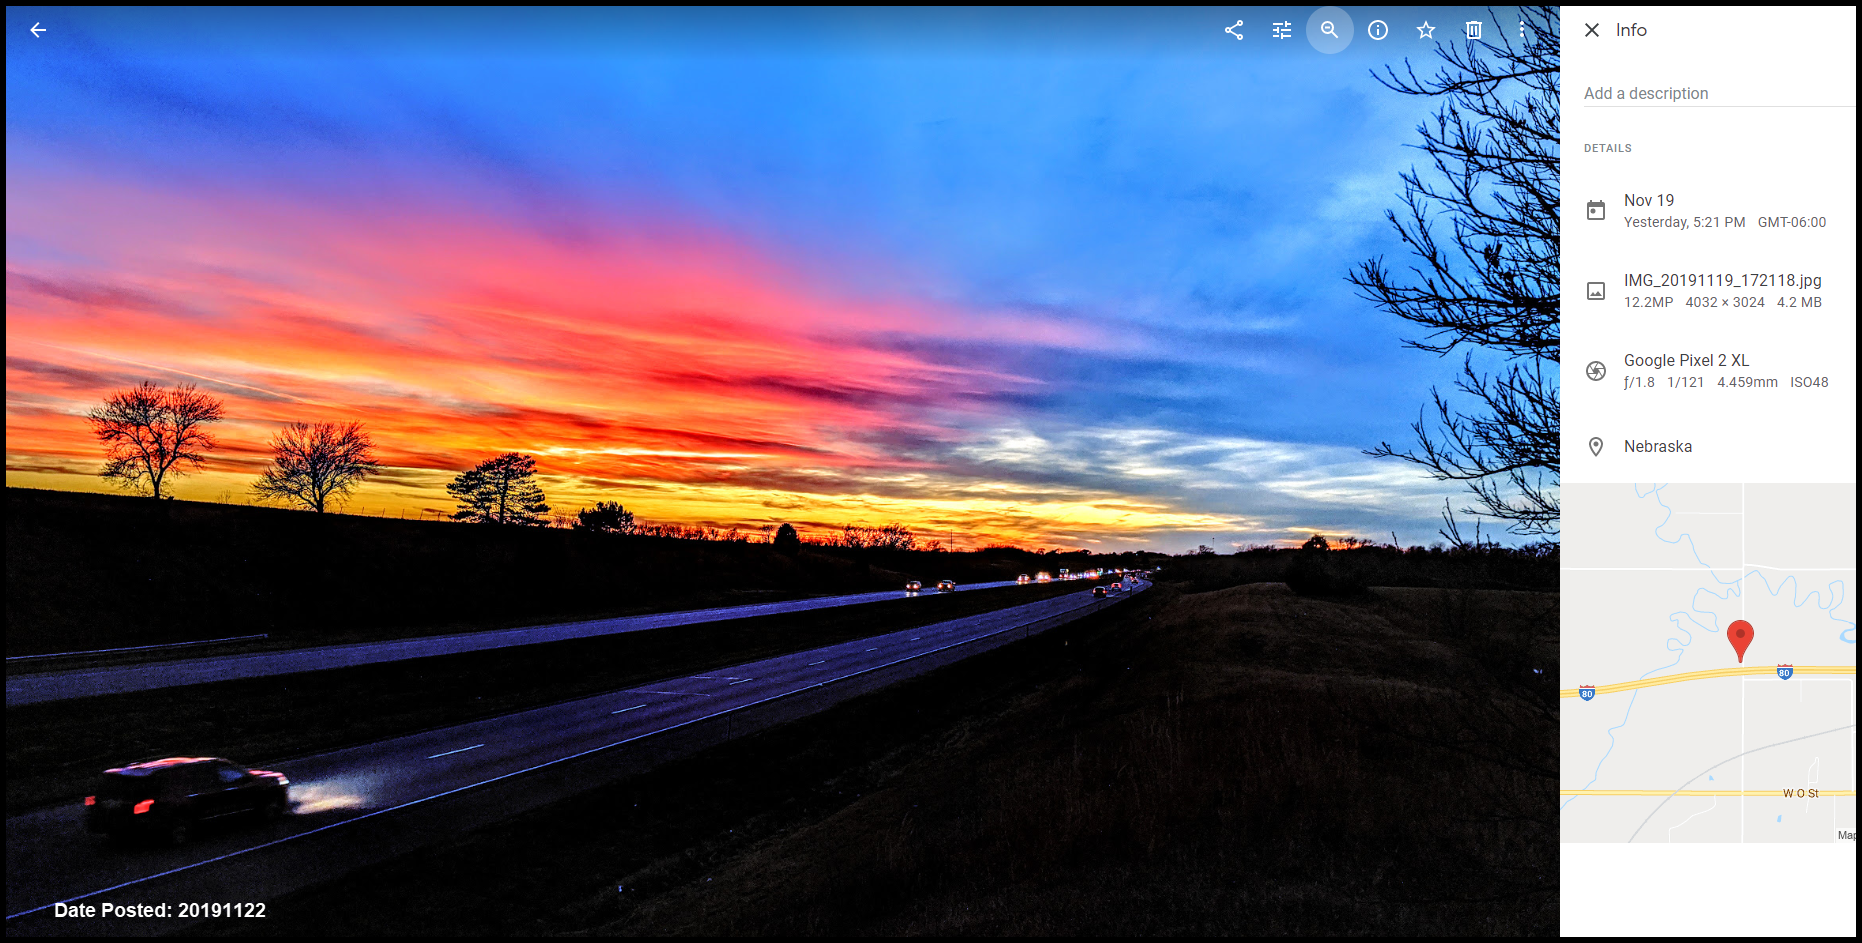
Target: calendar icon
[[1593, 209]]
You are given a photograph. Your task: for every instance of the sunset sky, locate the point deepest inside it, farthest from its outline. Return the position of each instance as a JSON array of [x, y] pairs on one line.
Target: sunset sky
[[1053, 279]]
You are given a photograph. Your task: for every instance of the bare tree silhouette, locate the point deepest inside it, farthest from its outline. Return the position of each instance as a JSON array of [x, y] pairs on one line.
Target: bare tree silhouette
[[863, 537], [1494, 288], [148, 432], [316, 463]]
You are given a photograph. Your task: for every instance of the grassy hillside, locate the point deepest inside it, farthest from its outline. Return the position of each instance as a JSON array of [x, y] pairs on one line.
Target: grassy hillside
[[87, 571], [1240, 760]]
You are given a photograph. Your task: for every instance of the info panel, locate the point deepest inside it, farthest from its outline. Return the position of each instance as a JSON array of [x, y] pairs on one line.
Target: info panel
[[1709, 405]]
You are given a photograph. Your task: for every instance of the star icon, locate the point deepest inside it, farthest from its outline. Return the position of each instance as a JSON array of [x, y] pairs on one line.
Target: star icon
[[1236, 29], [1425, 31]]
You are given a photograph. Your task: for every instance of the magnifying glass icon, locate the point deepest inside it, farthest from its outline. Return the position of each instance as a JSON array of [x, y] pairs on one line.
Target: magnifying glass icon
[[1328, 30]]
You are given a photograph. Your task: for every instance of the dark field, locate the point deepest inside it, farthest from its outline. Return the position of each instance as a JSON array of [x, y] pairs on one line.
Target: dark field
[[1236, 761], [52, 750], [87, 571]]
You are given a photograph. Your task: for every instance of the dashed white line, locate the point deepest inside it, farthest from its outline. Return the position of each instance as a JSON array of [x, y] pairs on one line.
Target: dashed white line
[[677, 693], [814, 663], [626, 709], [458, 789], [871, 650], [451, 752], [740, 681]]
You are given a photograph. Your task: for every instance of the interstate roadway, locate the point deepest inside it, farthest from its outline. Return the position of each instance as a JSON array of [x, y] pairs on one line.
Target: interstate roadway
[[364, 804], [38, 688]]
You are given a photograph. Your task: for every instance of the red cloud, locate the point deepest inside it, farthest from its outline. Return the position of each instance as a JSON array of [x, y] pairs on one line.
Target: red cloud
[[682, 357]]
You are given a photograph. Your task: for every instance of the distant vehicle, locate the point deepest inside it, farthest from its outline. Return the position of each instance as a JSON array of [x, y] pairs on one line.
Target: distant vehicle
[[170, 798], [1117, 587], [946, 586], [1023, 580], [1064, 575], [1099, 591], [1043, 577], [914, 586]]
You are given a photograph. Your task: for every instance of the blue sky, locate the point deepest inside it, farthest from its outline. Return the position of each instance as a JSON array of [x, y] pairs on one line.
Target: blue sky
[[1125, 230]]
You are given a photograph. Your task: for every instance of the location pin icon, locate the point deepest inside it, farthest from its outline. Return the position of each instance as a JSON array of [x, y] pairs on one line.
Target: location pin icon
[[1596, 445], [1740, 634]]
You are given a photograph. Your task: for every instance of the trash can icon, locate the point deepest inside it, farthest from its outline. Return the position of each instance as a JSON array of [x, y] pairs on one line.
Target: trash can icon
[[1593, 209]]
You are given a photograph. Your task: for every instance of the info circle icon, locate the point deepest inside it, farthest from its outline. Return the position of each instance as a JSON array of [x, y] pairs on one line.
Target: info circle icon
[[1377, 29], [1329, 30]]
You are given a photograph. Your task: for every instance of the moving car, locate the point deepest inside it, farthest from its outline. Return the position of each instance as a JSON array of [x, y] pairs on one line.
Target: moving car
[[1099, 591], [946, 586], [914, 586], [1023, 580], [170, 798]]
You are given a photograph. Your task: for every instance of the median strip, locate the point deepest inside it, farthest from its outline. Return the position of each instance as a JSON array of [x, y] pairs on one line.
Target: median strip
[[1063, 615], [54, 749]]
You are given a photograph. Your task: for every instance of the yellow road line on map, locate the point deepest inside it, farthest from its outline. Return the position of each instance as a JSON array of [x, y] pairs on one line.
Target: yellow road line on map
[[1715, 673], [1774, 793]]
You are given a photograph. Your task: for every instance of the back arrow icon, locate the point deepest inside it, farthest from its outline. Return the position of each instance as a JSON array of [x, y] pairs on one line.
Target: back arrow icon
[[35, 30]]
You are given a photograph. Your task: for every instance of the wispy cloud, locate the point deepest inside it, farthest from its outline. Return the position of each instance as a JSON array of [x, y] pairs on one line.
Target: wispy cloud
[[1003, 293]]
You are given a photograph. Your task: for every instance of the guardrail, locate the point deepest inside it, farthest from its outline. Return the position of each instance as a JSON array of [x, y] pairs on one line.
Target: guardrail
[[140, 648]]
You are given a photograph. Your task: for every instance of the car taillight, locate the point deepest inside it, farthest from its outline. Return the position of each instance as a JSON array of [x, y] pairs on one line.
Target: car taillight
[[90, 800], [144, 806]]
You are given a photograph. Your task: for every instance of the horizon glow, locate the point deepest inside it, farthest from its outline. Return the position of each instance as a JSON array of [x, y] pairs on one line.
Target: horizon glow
[[991, 290]]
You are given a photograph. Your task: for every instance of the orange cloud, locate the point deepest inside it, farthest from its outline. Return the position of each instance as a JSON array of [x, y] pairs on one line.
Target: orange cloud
[[681, 369]]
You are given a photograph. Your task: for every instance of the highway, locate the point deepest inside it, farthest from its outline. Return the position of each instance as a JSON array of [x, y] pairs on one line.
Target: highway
[[1603, 689], [38, 688], [365, 803]]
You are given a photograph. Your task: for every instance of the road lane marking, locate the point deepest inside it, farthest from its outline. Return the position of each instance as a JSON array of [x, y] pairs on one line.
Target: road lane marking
[[676, 693], [543, 765], [626, 709], [814, 663], [916, 639], [740, 681], [451, 752], [870, 650], [424, 646]]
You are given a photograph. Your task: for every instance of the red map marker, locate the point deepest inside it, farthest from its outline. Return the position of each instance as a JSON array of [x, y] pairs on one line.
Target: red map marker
[[1740, 634]]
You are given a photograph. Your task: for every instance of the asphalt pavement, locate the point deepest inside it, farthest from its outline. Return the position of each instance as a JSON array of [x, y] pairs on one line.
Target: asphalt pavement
[[38, 688], [392, 784]]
